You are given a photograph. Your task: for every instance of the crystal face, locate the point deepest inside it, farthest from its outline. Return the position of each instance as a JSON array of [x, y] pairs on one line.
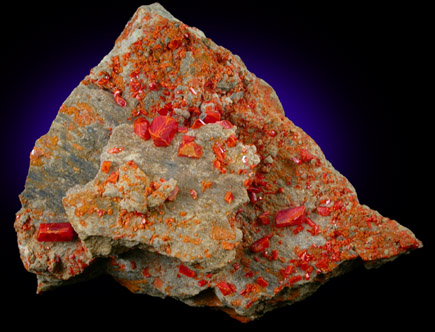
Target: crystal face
[[55, 232]]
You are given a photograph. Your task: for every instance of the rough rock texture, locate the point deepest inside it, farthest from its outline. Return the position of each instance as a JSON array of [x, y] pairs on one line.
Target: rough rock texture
[[217, 199]]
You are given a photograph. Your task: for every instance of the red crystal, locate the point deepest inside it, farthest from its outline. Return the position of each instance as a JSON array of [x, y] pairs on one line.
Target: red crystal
[[165, 109], [226, 288], [141, 128], [225, 123], [118, 99], [193, 193], [314, 228], [229, 197], [253, 197], [104, 80], [290, 217], [113, 178], [219, 151], [187, 139], [323, 211], [182, 129], [186, 271], [211, 117], [264, 219], [306, 156], [231, 141], [271, 133], [173, 194], [163, 130], [255, 190], [188, 148], [198, 123], [116, 150], [193, 91], [55, 232], [261, 244], [105, 167], [294, 279], [289, 269], [262, 282], [153, 86], [174, 44]]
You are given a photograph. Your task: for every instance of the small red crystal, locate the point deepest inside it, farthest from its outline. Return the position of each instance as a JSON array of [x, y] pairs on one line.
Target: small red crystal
[[153, 86], [225, 123], [262, 282], [271, 133], [264, 218], [186, 271], [118, 99], [231, 141], [187, 139], [289, 269], [314, 228], [193, 193], [211, 117], [165, 109], [294, 279], [306, 156], [163, 130], [105, 167], [261, 244], [173, 194], [174, 44], [323, 211], [116, 150], [198, 123], [193, 91], [188, 148], [141, 128], [55, 232], [229, 197], [113, 178], [226, 288], [219, 151], [290, 217]]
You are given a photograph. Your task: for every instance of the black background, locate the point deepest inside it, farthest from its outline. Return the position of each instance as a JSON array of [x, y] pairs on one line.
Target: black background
[[370, 59]]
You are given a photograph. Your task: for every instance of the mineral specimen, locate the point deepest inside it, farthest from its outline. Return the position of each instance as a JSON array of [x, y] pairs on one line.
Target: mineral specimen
[[173, 168]]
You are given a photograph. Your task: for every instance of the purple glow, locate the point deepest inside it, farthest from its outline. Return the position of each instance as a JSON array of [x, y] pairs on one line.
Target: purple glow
[[311, 100], [307, 97]]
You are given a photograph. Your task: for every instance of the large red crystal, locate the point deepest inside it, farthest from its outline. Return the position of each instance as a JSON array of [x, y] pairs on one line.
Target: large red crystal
[[141, 128], [290, 217], [162, 130], [55, 232]]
